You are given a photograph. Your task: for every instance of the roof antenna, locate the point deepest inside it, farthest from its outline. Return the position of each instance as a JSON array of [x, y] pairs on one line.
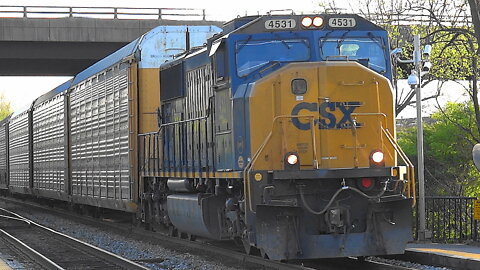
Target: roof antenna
[[187, 40]]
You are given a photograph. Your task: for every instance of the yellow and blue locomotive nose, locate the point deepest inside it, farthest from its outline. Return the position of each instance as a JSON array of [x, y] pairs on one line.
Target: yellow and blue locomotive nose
[[330, 113], [323, 155]]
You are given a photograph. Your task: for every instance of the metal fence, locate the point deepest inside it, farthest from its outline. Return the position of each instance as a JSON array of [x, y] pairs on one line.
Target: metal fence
[[449, 219], [102, 12]]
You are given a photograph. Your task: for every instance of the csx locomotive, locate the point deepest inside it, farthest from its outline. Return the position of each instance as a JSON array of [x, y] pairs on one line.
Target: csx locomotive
[[278, 133]]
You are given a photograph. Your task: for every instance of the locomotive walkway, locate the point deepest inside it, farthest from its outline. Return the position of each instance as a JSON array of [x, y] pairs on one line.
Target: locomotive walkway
[[62, 41]]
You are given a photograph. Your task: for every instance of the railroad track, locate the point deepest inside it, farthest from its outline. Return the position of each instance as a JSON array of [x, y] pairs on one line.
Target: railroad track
[[53, 250], [217, 249], [352, 263], [9, 253]]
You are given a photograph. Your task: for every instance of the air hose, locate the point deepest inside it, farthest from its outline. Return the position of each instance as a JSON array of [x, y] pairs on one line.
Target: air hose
[[302, 196]]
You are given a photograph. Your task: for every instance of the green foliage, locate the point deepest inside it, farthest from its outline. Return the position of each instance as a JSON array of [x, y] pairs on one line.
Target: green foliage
[[5, 109], [452, 53], [448, 143]]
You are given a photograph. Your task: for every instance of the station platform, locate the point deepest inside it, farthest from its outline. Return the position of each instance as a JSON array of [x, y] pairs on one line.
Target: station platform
[[4, 266], [454, 256]]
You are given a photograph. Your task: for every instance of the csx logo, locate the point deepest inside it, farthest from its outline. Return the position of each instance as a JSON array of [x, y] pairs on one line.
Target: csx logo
[[327, 119]]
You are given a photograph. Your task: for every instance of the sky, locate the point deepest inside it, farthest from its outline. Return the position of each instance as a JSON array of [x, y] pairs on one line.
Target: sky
[[21, 91]]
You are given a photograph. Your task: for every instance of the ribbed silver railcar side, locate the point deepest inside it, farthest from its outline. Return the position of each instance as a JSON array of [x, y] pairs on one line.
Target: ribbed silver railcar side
[[3, 156], [49, 145], [99, 116], [19, 152]]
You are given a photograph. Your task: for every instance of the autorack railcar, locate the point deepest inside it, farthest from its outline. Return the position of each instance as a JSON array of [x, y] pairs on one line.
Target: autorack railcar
[[278, 132], [78, 142]]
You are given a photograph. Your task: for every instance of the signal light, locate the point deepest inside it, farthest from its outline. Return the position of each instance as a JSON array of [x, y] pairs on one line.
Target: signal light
[[307, 21], [366, 183], [317, 21], [292, 159]]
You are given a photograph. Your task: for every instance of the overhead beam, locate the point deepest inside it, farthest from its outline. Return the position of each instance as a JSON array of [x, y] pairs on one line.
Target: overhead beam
[[66, 46]]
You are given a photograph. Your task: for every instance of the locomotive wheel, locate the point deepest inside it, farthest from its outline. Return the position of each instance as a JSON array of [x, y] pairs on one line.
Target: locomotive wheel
[[136, 221], [249, 249], [238, 241], [191, 237], [172, 231], [263, 253]]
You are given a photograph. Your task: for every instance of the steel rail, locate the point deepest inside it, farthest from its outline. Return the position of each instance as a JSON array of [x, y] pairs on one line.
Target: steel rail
[[205, 247], [174, 242], [354, 263], [384, 266], [81, 245], [30, 252]]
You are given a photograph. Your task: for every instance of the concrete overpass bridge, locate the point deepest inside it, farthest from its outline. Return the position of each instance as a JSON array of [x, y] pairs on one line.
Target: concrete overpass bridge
[[62, 41]]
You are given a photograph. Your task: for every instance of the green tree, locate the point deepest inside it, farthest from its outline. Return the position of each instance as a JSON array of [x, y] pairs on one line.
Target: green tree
[[5, 109], [449, 169], [442, 23]]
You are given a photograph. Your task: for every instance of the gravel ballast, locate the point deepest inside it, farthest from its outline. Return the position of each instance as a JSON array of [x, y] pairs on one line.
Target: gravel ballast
[[147, 253]]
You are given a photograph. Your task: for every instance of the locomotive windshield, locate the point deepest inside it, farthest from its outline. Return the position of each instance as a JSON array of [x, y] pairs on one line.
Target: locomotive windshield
[[255, 54], [357, 49]]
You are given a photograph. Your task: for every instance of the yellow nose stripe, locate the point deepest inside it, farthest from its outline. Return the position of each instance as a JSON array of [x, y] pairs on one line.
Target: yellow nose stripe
[[451, 252]]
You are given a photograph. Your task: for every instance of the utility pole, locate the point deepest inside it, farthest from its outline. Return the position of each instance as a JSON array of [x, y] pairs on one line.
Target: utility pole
[[415, 81], [417, 60]]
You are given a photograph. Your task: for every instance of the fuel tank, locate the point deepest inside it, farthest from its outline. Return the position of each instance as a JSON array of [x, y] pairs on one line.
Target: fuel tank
[[196, 214]]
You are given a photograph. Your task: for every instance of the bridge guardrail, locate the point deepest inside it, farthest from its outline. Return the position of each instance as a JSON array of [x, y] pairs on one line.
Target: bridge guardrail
[[101, 12]]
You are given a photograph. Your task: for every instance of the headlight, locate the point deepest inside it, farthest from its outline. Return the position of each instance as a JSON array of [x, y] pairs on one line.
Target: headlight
[[307, 21], [312, 22], [377, 158], [292, 159], [317, 21]]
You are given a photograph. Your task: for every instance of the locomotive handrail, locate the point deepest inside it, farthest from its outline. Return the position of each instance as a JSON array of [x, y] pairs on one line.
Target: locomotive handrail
[[149, 155], [403, 156], [368, 114], [248, 168], [184, 121], [410, 171]]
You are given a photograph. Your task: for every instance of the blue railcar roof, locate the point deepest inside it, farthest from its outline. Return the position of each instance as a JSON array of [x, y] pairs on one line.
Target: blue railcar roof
[[108, 61], [151, 49], [55, 91]]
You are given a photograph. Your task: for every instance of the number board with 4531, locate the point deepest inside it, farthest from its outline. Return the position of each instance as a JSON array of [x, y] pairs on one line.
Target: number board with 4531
[[280, 24], [342, 22]]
